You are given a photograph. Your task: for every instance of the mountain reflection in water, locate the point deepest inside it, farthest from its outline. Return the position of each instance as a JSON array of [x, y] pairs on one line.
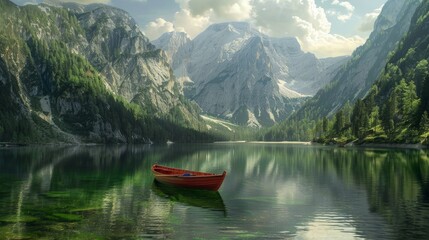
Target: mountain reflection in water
[[271, 191]]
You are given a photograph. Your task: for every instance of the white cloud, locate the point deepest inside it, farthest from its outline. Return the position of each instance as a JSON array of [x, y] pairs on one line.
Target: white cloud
[[330, 45], [347, 5], [306, 21], [196, 15], [229, 10], [347, 12], [193, 25], [367, 23], [278, 18], [289, 18], [156, 28]]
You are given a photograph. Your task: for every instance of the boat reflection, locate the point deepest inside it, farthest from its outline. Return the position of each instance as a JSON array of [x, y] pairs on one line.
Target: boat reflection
[[193, 197]]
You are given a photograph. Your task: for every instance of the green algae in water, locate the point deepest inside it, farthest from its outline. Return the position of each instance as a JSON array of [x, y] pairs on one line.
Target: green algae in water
[[57, 194], [67, 217], [59, 227], [8, 232], [16, 219], [86, 236], [86, 210]]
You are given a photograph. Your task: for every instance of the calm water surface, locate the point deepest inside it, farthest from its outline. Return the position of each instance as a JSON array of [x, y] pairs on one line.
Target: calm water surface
[[271, 192]]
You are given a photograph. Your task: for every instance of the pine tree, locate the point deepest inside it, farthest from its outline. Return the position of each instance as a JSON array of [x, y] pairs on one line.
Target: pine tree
[[339, 122], [424, 123], [420, 72], [389, 113], [1, 131], [374, 118], [359, 119], [425, 95], [325, 126]]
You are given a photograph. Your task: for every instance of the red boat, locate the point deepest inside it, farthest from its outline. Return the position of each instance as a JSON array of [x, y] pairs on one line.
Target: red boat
[[188, 179]]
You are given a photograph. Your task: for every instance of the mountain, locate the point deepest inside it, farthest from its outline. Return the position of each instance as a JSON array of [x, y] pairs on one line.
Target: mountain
[[86, 73], [355, 79], [397, 105], [170, 42], [395, 108], [132, 66], [235, 72]]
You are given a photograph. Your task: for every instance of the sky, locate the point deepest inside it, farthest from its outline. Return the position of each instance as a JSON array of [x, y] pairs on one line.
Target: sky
[[326, 28]]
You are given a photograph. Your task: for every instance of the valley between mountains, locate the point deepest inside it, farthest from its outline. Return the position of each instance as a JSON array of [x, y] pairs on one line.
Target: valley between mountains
[[72, 73]]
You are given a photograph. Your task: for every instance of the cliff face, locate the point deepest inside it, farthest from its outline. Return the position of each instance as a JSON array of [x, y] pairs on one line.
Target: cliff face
[[84, 73], [171, 42], [355, 79], [133, 68]]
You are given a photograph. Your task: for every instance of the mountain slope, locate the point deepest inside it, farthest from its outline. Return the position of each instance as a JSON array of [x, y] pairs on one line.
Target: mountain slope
[[396, 108], [400, 97], [170, 42], [85, 73], [354, 80], [229, 61], [133, 68]]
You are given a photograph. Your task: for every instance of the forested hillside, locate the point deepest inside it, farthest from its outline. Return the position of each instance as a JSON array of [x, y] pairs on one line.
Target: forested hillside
[[50, 92], [355, 79], [395, 109]]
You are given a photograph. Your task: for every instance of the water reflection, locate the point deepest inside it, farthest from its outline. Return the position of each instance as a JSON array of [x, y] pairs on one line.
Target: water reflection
[[271, 191], [198, 198]]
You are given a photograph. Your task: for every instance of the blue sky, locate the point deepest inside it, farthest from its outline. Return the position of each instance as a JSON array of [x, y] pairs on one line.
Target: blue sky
[[351, 27], [324, 27]]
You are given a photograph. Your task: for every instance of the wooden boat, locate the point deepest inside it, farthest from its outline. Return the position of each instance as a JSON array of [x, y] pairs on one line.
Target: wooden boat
[[188, 179]]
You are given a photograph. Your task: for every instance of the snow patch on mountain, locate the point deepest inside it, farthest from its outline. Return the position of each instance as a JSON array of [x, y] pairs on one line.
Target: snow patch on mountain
[[286, 92], [234, 71]]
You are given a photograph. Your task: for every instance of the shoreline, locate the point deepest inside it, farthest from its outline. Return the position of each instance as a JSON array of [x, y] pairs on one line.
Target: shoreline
[[284, 142], [348, 145], [265, 142], [417, 146]]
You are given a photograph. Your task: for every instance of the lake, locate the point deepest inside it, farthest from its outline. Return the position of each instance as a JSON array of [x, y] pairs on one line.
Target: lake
[[271, 191]]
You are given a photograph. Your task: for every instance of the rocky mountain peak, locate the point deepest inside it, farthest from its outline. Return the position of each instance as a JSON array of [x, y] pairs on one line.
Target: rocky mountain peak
[[288, 45], [234, 71], [170, 42], [87, 70]]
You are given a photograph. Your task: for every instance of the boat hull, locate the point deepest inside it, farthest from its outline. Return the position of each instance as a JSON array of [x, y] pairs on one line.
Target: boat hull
[[188, 179]]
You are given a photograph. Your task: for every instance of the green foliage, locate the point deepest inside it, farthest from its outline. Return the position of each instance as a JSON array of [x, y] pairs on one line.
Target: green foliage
[[40, 43], [339, 122], [359, 119], [424, 123], [424, 95], [394, 110], [293, 130]]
